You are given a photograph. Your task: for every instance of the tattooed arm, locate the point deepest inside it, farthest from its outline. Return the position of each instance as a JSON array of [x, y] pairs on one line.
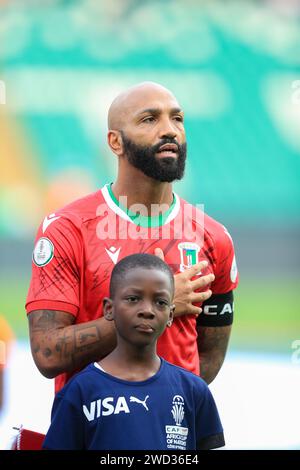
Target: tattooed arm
[[59, 346], [212, 346]]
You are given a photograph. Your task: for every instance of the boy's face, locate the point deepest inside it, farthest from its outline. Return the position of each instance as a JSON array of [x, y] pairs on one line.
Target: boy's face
[[142, 306]]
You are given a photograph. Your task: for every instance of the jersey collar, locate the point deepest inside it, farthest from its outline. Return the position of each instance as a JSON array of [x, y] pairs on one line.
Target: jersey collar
[[142, 221]]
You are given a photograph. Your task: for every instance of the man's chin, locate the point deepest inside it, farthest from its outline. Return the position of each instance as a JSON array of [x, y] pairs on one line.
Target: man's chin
[[167, 161], [166, 178]]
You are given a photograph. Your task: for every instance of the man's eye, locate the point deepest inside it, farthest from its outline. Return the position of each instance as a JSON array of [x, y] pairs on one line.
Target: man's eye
[[178, 118], [148, 119]]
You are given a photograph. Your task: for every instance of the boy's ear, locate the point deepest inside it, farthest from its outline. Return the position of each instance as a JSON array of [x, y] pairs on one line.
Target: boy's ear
[[108, 309], [171, 315]]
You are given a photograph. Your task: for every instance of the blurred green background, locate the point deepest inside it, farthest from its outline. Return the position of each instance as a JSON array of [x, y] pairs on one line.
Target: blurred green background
[[235, 68]]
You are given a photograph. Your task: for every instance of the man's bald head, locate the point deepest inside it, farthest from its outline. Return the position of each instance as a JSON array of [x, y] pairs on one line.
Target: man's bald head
[[131, 99]]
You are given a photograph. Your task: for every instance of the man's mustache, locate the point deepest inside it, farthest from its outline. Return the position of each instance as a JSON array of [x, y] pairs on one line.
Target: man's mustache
[[155, 148]]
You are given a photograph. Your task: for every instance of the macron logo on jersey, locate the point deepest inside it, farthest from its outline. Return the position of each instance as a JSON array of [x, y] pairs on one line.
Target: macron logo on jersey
[[48, 220], [113, 253]]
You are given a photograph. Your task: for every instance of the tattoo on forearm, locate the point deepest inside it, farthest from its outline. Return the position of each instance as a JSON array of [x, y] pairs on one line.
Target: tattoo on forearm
[[45, 321], [67, 346], [62, 345], [86, 336], [47, 352], [210, 338], [212, 346]]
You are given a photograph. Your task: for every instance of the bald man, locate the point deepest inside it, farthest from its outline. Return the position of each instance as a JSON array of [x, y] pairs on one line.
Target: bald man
[[77, 247]]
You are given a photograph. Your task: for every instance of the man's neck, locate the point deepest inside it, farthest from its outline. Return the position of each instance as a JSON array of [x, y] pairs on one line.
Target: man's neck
[[140, 189]]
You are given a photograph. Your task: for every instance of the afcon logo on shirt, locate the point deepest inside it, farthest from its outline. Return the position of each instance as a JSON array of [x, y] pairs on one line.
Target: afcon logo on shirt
[[178, 409], [176, 434]]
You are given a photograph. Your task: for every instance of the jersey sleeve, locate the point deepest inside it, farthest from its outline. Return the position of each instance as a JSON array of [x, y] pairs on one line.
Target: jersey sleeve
[[226, 273], [209, 429], [56, 258], [66, 431]]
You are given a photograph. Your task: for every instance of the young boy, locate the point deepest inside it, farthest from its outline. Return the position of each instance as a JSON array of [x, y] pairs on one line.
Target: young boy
[[132, 399]]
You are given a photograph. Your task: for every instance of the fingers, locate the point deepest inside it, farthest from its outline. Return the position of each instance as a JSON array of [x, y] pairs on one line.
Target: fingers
[[200, 296], [195, 310], [189, 310], [158, 252], [195, 269], [202, 281]]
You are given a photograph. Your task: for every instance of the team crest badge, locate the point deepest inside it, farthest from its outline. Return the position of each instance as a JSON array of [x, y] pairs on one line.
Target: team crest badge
[[188, 254]]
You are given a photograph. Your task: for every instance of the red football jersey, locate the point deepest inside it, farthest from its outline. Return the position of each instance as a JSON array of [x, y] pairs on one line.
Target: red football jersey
[[77, 247]]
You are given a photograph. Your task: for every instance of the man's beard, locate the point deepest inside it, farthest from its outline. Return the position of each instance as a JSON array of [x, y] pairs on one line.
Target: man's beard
[[165, 169]]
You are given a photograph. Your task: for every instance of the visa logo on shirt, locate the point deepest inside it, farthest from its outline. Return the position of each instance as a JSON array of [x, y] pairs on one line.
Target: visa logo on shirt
[[106, 407]]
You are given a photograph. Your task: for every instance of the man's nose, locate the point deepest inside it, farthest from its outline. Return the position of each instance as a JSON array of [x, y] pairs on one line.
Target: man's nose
[[168, 129]]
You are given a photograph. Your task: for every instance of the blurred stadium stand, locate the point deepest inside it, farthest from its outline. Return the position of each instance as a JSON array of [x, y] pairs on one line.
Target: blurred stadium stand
[[235, 68]]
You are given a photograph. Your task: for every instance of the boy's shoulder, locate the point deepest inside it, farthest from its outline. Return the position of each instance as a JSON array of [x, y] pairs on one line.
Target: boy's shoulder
[[186, 375]]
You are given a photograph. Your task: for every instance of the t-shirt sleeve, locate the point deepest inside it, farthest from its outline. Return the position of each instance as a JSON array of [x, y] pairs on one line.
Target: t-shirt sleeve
[[226, 273], [55, 280], [209, 429], [66, 431]]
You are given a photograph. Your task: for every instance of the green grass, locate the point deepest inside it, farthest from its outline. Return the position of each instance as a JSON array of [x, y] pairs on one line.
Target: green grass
[[267, 313]]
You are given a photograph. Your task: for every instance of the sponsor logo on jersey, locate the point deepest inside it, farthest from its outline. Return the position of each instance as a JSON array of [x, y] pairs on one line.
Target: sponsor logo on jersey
[[142, 402], [43, 252], [110, 405], [188, 255], [113, 253], [176, 435], [48, 220]]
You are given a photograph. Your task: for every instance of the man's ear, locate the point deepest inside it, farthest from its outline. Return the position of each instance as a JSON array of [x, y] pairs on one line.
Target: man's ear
[[115, 142], [171, 315], [108, 309]]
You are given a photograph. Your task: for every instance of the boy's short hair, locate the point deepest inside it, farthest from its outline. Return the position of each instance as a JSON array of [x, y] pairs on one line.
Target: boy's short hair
[[139, 260]]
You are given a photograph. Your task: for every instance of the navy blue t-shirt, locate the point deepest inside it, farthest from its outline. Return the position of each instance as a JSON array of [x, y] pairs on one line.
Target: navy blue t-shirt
[[173, 409]]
